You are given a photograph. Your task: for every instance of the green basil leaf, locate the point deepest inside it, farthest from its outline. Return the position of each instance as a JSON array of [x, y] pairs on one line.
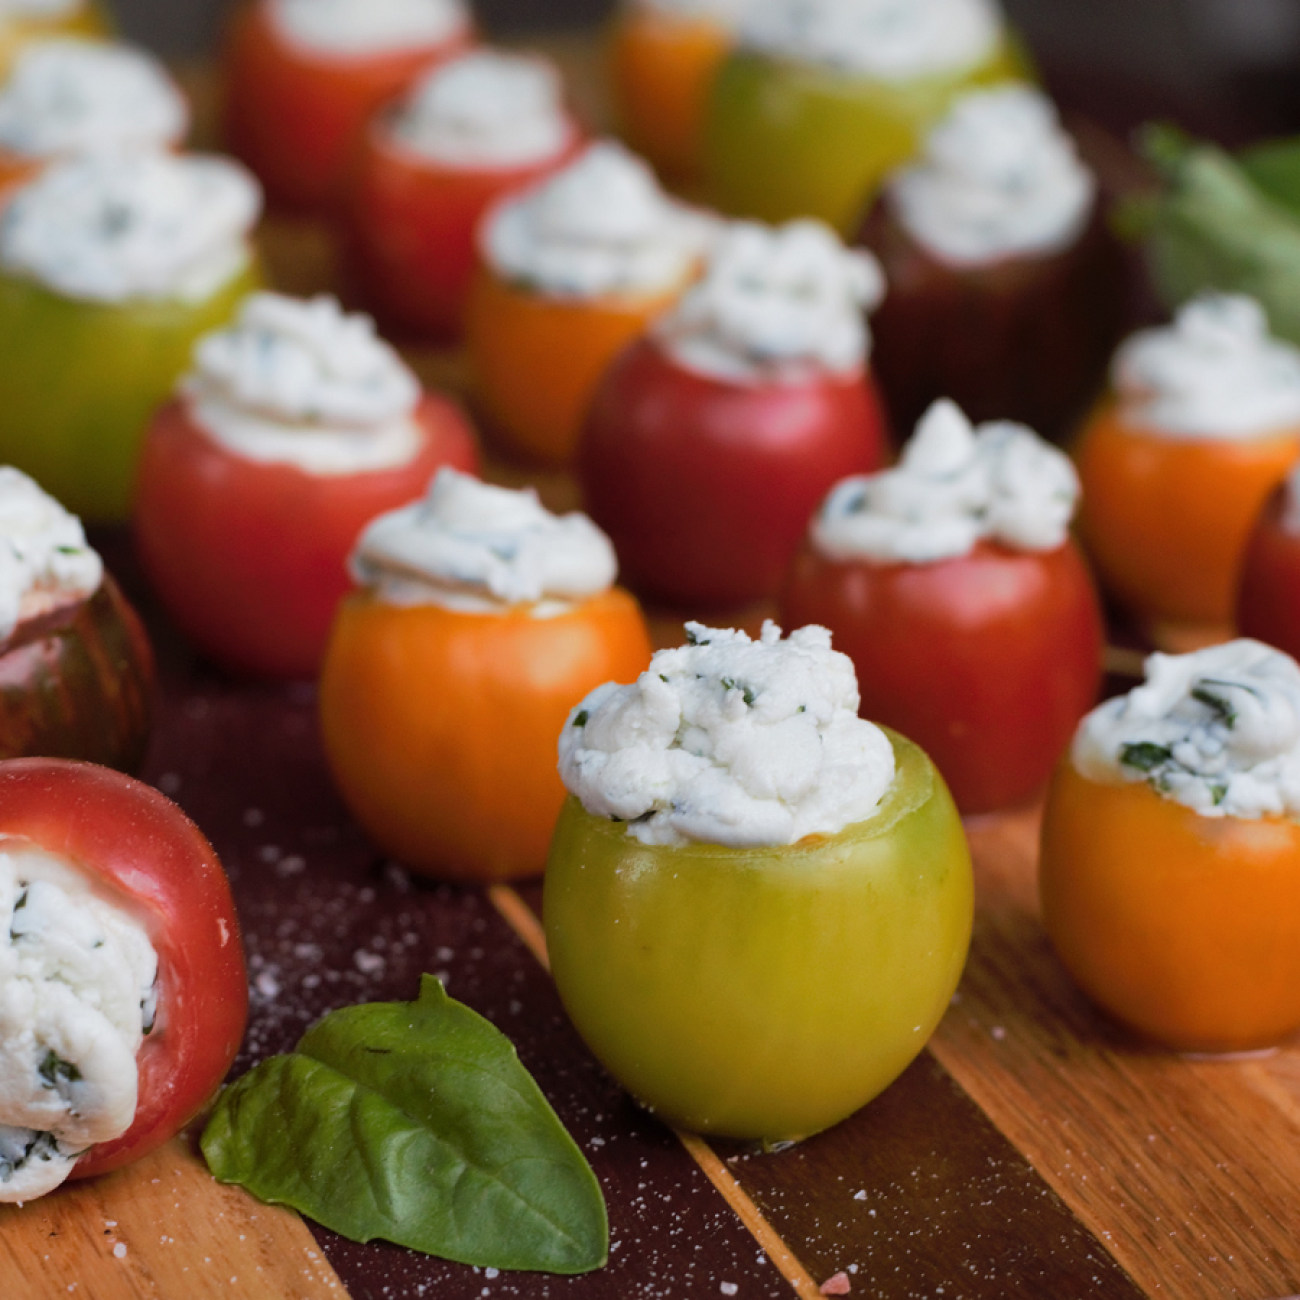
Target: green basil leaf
[[414, 1122], [1274, 168]]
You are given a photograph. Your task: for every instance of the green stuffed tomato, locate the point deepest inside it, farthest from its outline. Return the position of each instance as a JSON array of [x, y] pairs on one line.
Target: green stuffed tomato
[[763, 993], [786, 139], [80, 381]]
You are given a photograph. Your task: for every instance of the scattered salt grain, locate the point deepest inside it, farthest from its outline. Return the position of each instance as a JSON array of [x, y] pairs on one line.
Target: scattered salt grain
[[368, 963], [120, 1250], [728, 1288]]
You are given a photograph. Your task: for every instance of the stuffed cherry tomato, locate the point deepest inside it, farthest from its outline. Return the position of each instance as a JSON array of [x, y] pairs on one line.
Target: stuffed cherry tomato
[[1006, 288], [296, 428], [1170, 869], [76, 670], [1176, 471], [953, 585], [1268, 599], [446, 683], [24, 21], [121, 917], [757, 905], [664, 60], [573, 270], [471, 131], [110, 267], [813, 108], [710, 444], [302, 79]]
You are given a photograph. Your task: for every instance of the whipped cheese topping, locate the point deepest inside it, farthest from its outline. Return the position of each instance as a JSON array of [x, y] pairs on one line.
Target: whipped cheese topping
[[475, 547], [775, 305], [77, 978], [44, 559], [358, 28], [602, 226], [487, 109], [1217, 731], [953, 486], [998, 178], [65, 96], [109, 228], [38, 8], [730, 741], [891, 40], [306, 384], [1216, 372]]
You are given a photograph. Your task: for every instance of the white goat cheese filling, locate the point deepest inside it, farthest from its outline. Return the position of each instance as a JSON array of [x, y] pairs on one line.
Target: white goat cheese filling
[[998, 177], [353, 29], [475, 547], [1217, 731], [730, 741], [109, 227], [1216, 372], [18, 9], [77, 978], [600, 227], [890, 40], [775, 305], [65, 97], [954, 485], [44, 559], [486, 109], [306, 384]]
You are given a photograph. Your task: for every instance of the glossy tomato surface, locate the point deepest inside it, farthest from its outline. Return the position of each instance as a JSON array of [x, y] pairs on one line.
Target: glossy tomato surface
[[706, 486], [1268, 599], [250, 557], [79, 382], [987, 661], [1186, 928], [1165, 519], [297, 116], [763, 993], [411, 222], [129, 839], [441, 726], [79, 684]]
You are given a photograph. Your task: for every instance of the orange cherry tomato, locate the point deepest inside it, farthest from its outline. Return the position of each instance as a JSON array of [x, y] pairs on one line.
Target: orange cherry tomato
[[296, 116], [538, 358], [1185, 927], [664, 66], [250, 557], [1166, 519], [411, 223], [441, 726]]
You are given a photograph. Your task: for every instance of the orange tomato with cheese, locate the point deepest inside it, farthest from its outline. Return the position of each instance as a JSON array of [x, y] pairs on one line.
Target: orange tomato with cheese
[[1183, 926], [1166, 519], [441, 725]]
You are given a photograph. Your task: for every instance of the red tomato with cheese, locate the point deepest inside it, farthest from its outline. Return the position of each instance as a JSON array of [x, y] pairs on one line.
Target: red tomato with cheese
[[1268, 599], [137, 849], [986, 660], [250, 557], [705, 485]]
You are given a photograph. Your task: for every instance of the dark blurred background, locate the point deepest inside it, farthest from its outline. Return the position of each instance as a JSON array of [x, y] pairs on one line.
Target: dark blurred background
[[1227, 68]]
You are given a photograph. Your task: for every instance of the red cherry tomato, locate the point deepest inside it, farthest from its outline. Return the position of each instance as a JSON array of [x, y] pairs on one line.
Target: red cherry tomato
[[987, 661], [297, 116], [129, 839], [411, 223], [706, 486], [250, 557], [1268, 600]]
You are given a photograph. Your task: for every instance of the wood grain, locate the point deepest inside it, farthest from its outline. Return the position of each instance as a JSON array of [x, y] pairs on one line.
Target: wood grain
[[162, 1229]]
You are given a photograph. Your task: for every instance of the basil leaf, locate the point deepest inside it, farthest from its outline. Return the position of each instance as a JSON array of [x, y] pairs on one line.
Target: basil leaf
[[1144, 755], [414, 1122], [1274, 168]]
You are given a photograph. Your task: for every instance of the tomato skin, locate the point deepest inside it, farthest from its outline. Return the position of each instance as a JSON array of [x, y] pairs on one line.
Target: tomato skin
[[440, 726], [296, 116], [763, 993], [1268, 599], [127, 834], [1165, 520], [249, 557], [1186, 928], [79, 684], [987, 661], [411, 223], [706, 486]]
